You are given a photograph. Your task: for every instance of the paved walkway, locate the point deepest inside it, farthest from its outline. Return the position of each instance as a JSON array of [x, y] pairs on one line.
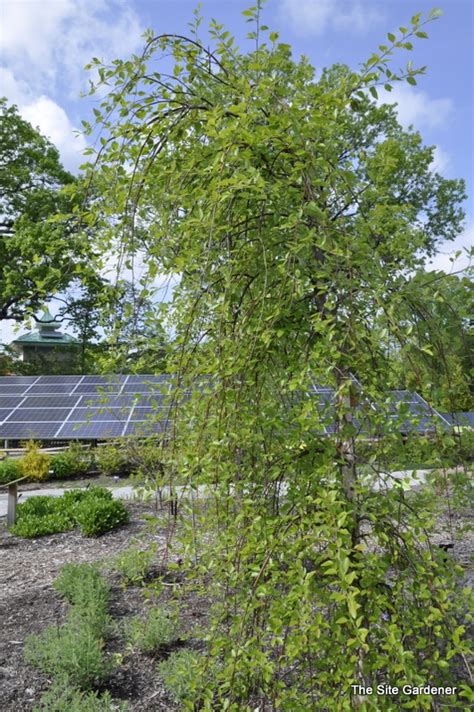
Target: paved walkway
[[410, 479], [117, 493]]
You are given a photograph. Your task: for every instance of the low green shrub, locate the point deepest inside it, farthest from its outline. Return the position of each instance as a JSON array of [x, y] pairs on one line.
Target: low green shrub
[[9, 471], [32, 526], [73, 462], [112, 460], [134, 564], [83, 585], [97, 515], [157, 630], [42, 515], [34, 464], [38, 506], [62, 697], [75, 496], [178, 672], [92, 509], [74, 651]]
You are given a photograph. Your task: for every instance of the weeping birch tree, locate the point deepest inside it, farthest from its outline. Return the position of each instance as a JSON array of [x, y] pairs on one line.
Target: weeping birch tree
[[291, 207]]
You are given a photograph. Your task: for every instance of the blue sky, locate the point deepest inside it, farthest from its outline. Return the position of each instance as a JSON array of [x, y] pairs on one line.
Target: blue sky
[[44, 45]]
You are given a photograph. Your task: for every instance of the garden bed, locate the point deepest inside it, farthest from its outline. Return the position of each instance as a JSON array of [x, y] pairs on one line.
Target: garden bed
[[29, 603]]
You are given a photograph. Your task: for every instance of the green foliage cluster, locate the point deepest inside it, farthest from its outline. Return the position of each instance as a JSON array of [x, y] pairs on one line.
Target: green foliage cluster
[[74, 651], [63, 697], [296, 210], [97, 516], [42, 255], [9, 470], [34, 464], [112, 460], [178, 672], [93, 510], [157, 630], [134, 564], [73, 462]]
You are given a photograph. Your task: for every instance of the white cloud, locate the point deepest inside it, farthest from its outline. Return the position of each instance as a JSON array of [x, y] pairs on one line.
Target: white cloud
[[54, 123], [417, 108], [446, 258], [44, 47], [313, 17], [48, 43], [15, 90], [441, 161]]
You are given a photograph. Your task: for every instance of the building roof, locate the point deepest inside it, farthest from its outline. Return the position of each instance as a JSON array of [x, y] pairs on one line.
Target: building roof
[[46, 333]]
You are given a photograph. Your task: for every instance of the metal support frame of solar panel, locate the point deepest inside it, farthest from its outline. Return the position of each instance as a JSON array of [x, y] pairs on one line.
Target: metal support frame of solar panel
[[423, 417], [82, 407]]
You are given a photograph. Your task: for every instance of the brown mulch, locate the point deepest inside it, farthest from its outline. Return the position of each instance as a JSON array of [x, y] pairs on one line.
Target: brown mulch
[[29, 603]]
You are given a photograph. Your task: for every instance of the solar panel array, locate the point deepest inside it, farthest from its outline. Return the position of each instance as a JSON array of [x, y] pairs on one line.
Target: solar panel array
[[100, 407], [407, 410], [83, 407]]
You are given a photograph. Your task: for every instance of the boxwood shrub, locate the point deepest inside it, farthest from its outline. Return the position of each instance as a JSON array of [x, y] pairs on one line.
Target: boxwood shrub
[[98, 515]]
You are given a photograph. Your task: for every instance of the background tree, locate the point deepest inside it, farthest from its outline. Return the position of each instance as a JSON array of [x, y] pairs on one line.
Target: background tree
[[437, 358], [294, 210], [38, 258]]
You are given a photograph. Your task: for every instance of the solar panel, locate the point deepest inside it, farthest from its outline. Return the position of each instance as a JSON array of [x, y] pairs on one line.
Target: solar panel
[[49, 401], [39, 414], [94, 407], [25, 431], [146, 428], [59, 380], [112, 401], [84, 415], [18, 380], [49, 389], [93, 430], [8, 401], [11, 390]]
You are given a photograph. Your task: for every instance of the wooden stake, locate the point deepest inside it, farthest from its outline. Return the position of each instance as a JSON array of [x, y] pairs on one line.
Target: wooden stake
[[12, 502]]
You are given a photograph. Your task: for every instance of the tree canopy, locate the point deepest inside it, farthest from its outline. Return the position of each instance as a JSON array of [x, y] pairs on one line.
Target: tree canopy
[[294, 209], [38, 257]]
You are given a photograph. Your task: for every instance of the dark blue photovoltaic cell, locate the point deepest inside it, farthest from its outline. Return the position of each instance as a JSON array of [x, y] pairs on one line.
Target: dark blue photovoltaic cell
[[9, 402], [4, 413], [14, 380], [46, 389], [460, 420], [162, 379], [59, 380], [12, 390], [110, 380], [84, 415], [107, 401], [94, 430], [150, 414], [144, 428], [141, 387], [39, 414], [93, 388], [25, 431], [50, 401]]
